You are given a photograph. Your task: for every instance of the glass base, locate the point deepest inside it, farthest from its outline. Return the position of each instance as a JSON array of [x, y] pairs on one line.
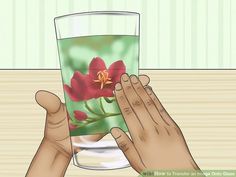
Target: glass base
[[101, 155]]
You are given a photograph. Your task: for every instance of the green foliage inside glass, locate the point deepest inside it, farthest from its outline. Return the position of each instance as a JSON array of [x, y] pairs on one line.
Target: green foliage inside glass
[[75, 55]]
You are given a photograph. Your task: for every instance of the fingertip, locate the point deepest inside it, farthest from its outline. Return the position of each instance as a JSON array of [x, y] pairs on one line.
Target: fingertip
[[144, 79], [38, 93], [134, 79], [124, 77], [118, 86], [48, 100], [115, 131], [148, 90], [38, 96]]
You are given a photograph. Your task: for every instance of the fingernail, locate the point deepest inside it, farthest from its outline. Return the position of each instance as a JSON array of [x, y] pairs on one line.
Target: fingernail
[[125, 77], [134, 79], [115, 133], [118, 86], [149, 90]]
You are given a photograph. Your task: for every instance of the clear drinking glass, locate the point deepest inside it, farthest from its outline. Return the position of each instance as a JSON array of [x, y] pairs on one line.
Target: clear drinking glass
[[95, 48]]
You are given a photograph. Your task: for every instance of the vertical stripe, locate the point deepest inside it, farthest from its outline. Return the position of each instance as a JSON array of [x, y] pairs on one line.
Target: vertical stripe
[[50, 39], [13, 34], [109, 18], [71, 6], [194, 35], [126, 25], [158, 34], [152, 39], [26, 33], [213, 35], [41, 34], [206, 64], [164, 34], [220, 34], [184, 57], [226, 34], [201, 33], [34, 35], [20, 34], [6, 45], [179, 34], [173, 34], [57, 65], [56, 6], [89, 18], [109, 5], [144, 34], [190, 34], [188, 37], [230, 35], [233, 33], [89, 5]]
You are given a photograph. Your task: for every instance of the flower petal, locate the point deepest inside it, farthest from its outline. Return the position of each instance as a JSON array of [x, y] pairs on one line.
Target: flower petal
[[79, 76], [78, 87], [84, 87], [72, 126], [70, 92], [115, 71], [96, 65], [79, 115], [105, 92]]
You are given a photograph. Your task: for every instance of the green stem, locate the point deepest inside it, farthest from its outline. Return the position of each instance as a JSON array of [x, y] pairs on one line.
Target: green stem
[[103, 116], [101, 105], [90, 109], [98, 115], [109, 100], [74, 121], [77, 123], [94, 119], [113, 114]]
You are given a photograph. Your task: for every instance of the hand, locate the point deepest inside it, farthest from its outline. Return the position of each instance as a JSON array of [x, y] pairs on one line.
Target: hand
[[55, 152], [156, 140]]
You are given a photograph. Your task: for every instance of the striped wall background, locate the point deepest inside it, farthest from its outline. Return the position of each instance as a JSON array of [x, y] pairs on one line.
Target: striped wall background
[[174, 33]]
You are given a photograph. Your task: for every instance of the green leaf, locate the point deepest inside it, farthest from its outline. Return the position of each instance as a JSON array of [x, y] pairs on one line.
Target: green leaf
[[109, 100], [101, 126]]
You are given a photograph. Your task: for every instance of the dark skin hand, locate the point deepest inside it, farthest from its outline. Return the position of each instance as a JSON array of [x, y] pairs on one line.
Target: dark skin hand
[[149, 125], [156, 140], [55, 152]]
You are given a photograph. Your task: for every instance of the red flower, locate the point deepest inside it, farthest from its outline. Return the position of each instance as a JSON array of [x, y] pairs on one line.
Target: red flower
[[72, 126], [79, 115], [99, 82]]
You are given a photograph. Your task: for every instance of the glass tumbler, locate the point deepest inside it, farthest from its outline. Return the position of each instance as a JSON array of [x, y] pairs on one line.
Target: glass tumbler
[[95, 49]]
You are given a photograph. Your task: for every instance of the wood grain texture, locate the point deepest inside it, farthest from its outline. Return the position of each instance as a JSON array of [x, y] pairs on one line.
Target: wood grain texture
[[202, 102]]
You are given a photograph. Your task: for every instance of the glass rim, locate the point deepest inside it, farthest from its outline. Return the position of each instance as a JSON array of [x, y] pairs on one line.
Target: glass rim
[[127, 13]]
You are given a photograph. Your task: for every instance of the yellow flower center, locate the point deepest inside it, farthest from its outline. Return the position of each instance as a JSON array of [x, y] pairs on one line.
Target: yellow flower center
[[103, 78]]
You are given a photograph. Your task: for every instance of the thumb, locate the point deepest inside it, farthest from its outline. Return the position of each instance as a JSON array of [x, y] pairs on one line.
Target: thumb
[[49, 101], [128, 148], [56, 111]]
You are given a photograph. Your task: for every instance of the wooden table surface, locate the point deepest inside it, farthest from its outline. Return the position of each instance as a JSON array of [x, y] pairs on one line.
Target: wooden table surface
[[202, 102]]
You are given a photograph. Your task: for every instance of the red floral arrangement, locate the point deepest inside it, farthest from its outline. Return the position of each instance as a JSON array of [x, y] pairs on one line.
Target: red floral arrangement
[[99, 82]]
